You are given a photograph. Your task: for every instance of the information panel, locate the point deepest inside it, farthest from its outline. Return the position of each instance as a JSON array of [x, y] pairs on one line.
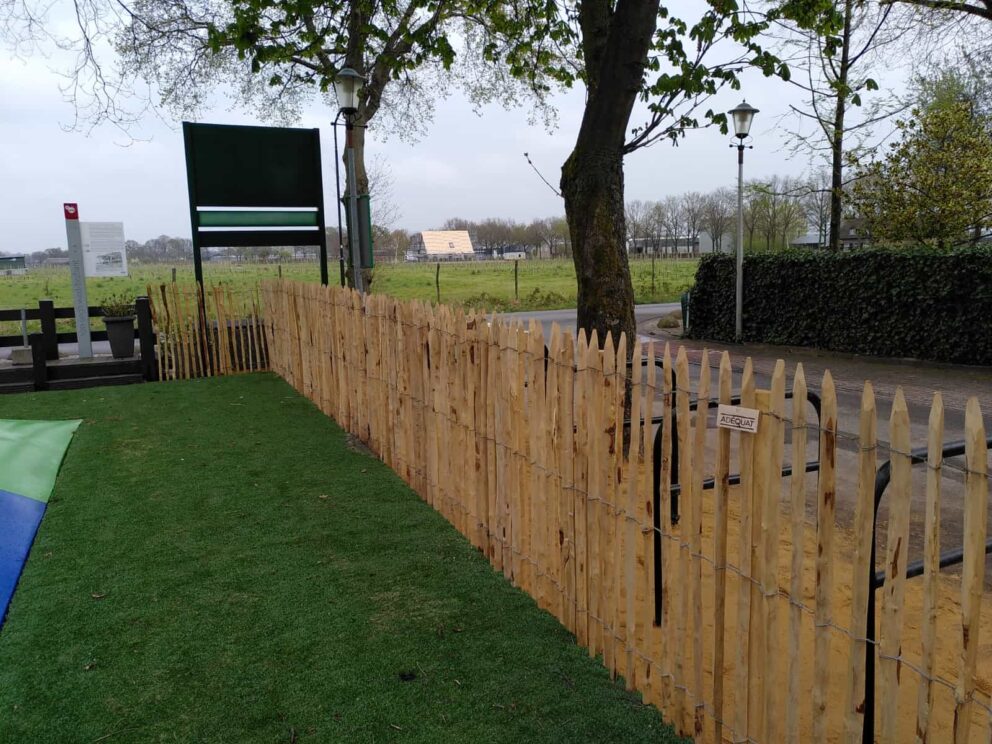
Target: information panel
[[103, 248]]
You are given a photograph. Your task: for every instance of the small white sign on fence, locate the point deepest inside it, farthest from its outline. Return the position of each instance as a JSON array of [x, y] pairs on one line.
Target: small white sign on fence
[[737, 418]]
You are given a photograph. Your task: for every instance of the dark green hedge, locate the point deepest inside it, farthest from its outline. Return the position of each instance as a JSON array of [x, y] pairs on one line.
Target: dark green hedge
[[887, 302]]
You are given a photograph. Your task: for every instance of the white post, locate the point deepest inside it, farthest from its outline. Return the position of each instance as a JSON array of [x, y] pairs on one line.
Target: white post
[[739, 314], [75, 243]]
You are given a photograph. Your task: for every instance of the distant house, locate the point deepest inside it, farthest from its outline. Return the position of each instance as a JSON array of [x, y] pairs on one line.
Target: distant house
[[12, 265], [55, 262], [441, 245], [854, 233]]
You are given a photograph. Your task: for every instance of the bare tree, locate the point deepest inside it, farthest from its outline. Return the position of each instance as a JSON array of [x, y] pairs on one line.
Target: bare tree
[[673, 220], [719, 215], [636, 213], [385, 211], [751, 214], [791, 218], [693, 204], [656, 226], [776, 210], [816, 204], [553, 234], [835, 73]]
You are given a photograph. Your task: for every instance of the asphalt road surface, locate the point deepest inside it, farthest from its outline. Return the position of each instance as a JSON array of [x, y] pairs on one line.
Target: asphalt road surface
[[566, 318]]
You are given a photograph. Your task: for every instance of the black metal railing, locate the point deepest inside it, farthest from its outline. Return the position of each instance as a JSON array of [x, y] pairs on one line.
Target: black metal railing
[[675, 488]]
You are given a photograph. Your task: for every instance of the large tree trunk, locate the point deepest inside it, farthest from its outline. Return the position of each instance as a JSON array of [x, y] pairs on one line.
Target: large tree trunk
[[615, 47], [592, 184], [837, 138]]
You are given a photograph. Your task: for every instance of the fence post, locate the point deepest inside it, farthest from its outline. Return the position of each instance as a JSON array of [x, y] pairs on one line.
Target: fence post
[[146, 338], [46, 311], [437, 282], [516, 279], [38, 362]]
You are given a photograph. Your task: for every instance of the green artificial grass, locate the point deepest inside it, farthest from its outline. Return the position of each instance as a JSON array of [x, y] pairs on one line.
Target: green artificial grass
[[217, 564]]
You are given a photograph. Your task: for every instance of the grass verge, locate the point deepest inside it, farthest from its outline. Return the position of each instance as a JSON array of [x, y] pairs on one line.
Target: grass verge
[[489, 285], [218, 565]]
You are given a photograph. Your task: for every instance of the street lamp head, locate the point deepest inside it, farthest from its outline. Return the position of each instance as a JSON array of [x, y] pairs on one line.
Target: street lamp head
[[347, 85], [743, 115]]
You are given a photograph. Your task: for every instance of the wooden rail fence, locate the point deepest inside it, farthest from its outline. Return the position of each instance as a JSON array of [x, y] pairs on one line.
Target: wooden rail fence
[[763, 632], [203, 333]]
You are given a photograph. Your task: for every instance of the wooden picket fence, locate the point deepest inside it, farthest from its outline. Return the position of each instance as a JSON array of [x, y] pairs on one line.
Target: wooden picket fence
[[206, 333], [763, 629]]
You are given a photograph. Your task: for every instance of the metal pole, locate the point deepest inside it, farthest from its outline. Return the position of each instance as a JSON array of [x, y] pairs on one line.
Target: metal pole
[[739, 314], [356, 259], [337, 187]]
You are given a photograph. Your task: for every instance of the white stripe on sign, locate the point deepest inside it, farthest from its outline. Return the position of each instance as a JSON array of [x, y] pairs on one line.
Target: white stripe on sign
[[737, 418]]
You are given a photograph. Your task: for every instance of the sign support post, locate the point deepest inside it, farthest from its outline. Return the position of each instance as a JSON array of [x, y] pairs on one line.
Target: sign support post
[[74, 240]]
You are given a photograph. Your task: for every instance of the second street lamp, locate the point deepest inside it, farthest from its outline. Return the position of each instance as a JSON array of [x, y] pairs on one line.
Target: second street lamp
[[347, 87], [742, 116]]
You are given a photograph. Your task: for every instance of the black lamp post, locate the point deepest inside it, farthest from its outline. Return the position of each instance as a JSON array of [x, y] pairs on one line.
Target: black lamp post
[[347, 86], [742, 115]]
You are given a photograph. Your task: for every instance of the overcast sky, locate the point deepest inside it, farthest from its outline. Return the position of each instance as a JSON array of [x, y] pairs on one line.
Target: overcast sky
[[467, 165]]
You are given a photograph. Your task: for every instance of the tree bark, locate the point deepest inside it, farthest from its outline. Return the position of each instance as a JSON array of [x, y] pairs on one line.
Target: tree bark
[[592, 184], [837, 140], [615, 48]]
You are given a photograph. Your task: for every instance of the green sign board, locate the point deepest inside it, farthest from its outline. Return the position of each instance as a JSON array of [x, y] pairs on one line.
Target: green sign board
[[251, 186]]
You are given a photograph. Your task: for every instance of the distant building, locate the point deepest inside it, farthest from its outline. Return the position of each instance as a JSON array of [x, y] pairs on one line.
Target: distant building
[[507, 252], [667, 247], [55, 262], [853, 234], [441, 245], [12, 265], [809, 240]]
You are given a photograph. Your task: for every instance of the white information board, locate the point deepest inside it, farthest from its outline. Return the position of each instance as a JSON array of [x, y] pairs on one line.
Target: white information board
[[103, 248]]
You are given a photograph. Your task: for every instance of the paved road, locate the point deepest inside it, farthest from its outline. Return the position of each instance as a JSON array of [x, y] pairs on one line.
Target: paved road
[[566, 318]]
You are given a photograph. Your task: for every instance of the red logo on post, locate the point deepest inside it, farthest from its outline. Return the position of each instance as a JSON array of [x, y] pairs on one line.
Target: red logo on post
[[71, 211]]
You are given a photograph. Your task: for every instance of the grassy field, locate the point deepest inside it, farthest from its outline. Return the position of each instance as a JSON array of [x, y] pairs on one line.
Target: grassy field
[[219, 564], [543, 285]]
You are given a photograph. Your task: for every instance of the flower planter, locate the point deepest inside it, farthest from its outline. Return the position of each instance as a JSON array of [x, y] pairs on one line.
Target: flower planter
[[120, 332]]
